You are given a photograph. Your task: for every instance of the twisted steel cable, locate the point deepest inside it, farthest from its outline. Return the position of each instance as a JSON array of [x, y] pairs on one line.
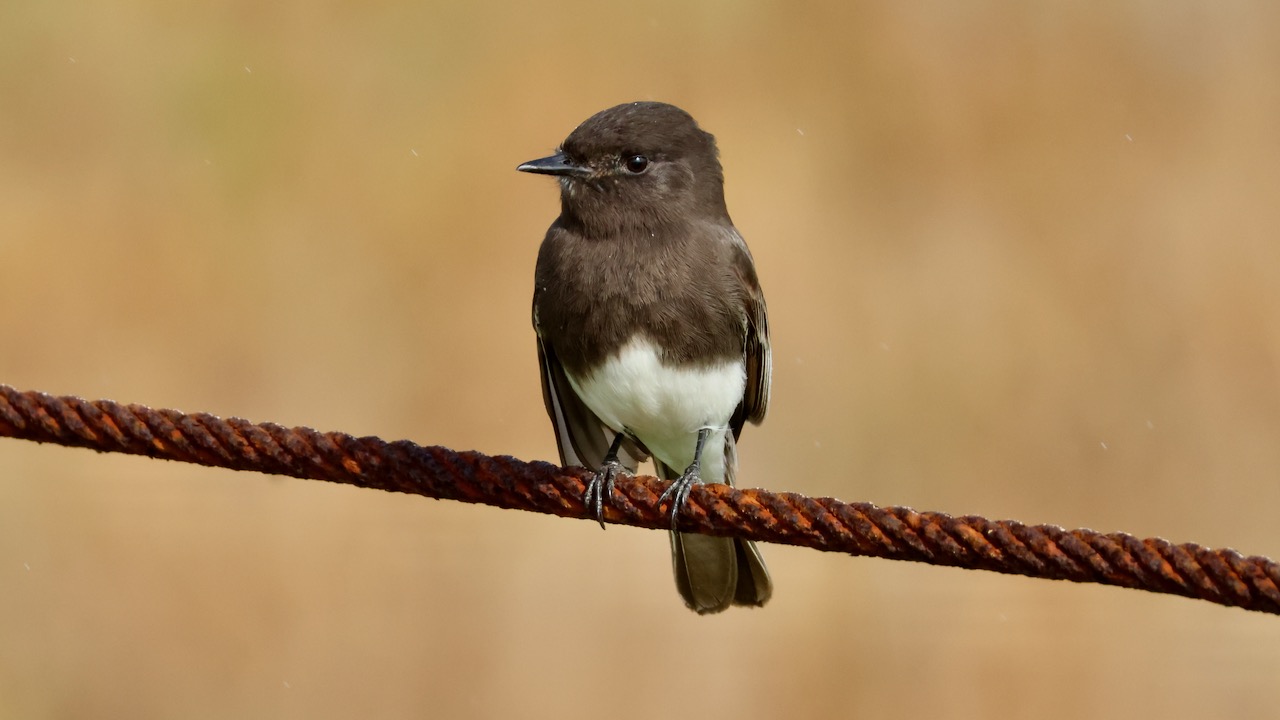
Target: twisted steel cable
[[1046, 551]]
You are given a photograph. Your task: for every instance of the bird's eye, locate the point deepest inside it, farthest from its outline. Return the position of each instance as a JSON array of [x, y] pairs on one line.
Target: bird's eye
[[637, 164]]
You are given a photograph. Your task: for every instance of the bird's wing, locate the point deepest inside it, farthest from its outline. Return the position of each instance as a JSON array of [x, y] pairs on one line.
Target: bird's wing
[[581, 437], [759, 358]]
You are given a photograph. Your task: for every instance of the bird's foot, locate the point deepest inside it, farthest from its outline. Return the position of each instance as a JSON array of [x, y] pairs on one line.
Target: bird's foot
[[600, 488], [679, 490]]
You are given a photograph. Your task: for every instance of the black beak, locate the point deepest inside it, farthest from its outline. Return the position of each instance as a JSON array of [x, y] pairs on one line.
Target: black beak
[[557, 164]]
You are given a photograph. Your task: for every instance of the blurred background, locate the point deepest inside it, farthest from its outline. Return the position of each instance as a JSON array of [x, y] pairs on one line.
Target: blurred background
[[1022, 260]]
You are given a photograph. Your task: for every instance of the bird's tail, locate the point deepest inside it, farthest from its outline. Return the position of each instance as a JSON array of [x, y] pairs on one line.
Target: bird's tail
[[713, 573]]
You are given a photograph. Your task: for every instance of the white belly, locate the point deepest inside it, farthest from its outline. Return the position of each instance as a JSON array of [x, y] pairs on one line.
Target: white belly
[[665, 407]]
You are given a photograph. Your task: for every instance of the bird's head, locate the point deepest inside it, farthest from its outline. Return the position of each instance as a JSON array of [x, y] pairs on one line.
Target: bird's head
[[641, 165]]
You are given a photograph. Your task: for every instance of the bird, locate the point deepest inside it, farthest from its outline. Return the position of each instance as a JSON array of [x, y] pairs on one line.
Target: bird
[[653, 336]]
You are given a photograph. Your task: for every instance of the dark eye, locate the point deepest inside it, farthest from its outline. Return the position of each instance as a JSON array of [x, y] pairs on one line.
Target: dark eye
[[637, 164]]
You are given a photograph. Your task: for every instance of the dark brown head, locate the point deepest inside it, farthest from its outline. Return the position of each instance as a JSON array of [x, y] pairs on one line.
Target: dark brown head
[[639, 166]]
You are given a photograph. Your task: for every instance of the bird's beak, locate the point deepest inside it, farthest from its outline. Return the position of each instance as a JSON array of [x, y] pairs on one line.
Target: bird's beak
[[557, 164]]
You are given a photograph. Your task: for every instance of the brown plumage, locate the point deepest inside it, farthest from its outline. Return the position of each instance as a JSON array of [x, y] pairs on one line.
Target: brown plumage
[[652, 329]]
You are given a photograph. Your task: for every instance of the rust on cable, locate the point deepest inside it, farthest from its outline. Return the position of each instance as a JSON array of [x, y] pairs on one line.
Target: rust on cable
[[1220, 576]]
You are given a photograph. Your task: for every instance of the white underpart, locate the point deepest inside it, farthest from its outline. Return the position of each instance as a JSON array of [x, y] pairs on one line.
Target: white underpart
[[664, 407]]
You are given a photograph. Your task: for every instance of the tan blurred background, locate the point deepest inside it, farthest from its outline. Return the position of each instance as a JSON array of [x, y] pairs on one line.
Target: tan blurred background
[[1022, 260]]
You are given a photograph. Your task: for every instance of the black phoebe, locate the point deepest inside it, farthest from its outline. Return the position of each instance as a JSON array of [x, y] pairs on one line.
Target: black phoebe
[[652, 335]]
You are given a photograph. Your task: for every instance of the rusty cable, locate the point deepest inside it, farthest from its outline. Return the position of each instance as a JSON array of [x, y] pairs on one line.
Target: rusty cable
[[1045, 551]]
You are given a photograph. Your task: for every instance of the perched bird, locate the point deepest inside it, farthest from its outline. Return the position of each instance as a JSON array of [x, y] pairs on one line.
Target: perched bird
[[652, 333]]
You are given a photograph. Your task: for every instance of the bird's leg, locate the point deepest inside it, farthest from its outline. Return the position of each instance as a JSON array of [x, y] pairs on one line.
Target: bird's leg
[[679, 489], [601, 485]]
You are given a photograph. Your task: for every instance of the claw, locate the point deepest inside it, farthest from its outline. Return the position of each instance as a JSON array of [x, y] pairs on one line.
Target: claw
[[600, 487], [679, 490]]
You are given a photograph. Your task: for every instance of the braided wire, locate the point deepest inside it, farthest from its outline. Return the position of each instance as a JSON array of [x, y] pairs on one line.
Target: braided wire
[[1222, 576]]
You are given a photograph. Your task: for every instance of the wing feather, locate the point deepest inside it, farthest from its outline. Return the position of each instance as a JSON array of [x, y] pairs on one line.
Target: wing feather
[[581, 437], [756, 350]]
